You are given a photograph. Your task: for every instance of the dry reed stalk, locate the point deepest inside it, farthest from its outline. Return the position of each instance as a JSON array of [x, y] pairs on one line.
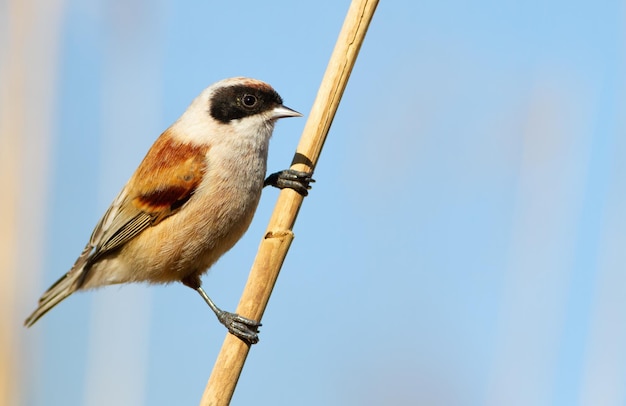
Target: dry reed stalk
[[274, 246]]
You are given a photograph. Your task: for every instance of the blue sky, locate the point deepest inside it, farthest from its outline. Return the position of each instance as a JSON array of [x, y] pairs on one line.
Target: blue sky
[[462, 244]]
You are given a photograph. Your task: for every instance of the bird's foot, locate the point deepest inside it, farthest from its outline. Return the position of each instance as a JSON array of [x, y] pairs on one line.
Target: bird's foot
[[292, 179], [239, 326]]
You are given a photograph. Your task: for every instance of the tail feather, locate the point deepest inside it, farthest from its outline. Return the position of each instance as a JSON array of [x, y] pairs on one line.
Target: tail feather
[[65, 286], [53, 296]]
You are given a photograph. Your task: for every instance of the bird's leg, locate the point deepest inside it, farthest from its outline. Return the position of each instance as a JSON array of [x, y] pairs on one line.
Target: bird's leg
[[239, 326], [292, 179]]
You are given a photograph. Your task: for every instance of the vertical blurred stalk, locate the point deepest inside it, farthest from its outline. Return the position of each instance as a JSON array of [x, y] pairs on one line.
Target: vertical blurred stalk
[[11, 122], [28, 44]]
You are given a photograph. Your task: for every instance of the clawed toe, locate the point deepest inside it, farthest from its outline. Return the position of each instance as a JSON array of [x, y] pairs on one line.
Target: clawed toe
[[292, 179], [241, 327]]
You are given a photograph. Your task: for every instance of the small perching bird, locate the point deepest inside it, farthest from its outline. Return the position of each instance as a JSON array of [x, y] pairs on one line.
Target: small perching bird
[[190, 200]]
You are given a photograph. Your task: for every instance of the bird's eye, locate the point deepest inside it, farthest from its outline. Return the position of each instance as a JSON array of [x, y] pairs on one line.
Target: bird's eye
[[249, 100]]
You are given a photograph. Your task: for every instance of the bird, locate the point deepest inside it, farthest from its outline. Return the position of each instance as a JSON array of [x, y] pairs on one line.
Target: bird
[[191, 199]]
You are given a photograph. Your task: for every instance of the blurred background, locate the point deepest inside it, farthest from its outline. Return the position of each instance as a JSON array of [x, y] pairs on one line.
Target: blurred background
[[463, 244]]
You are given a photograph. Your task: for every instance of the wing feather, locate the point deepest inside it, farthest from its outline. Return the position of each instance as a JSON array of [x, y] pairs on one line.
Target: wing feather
[[160, 187]]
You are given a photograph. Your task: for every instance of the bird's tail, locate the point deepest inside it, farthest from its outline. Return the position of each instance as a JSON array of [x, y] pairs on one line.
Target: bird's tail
[[62, 288]]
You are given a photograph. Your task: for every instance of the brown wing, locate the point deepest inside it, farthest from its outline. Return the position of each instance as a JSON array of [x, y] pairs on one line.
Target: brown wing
[[166, 179]]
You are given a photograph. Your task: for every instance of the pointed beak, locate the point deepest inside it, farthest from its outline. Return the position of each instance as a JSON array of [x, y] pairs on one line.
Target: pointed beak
[[282, 112]]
